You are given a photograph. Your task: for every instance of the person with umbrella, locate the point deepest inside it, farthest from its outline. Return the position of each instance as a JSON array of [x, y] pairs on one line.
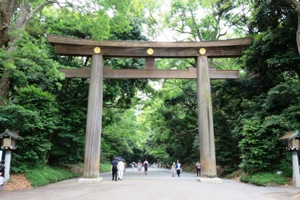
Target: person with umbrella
[[114, 169], [120, 166]]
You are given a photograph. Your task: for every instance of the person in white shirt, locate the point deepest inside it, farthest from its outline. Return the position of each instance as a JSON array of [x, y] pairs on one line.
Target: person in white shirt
[[121, 167], [173, 169]]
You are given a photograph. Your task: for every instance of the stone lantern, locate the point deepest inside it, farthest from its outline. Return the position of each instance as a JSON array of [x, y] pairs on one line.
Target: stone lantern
[[9, 138], [293, 142]]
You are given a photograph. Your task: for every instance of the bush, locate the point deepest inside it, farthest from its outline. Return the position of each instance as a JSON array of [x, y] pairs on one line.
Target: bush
[[264, 179], [105, 167], [45, 175]]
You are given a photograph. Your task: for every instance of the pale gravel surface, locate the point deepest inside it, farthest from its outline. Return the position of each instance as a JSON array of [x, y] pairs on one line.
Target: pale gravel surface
[[157, 185]]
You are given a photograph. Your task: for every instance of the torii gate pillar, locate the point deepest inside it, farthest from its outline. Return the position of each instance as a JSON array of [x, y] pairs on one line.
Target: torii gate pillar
[[94, 123], [205, 124]]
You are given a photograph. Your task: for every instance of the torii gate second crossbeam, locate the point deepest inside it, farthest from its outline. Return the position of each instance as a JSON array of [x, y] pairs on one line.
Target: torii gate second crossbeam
[[201, 51]]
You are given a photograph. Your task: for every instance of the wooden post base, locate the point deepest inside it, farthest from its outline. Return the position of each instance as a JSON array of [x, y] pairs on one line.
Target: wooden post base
[[90, 180], [209, 180]]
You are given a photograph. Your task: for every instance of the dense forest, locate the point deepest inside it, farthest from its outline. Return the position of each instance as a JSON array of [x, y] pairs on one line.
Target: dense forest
[[153, 119]]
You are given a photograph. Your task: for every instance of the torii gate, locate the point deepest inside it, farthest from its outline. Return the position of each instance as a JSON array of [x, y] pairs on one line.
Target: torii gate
[[149, 50]]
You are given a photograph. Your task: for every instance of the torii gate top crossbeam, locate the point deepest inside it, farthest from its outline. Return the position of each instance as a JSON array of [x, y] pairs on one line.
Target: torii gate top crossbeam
[[85, 47]]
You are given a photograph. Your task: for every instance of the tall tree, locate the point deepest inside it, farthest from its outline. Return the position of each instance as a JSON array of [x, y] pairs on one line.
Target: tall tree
[[15, 17], [276, 22], [207, 20]]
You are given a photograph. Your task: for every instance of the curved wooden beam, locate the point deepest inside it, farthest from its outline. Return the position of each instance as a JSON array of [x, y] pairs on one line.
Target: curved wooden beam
[[85, 47]]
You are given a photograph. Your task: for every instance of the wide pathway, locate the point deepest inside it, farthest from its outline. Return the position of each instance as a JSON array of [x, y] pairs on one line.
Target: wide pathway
[[157, 185]]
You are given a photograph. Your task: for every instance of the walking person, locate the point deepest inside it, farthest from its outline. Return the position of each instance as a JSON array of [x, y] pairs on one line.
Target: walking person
[[146, 164], [178, 168], [198, 168], [173, 169], [133, 165], [139, 166], [114, 169], [121, 167]]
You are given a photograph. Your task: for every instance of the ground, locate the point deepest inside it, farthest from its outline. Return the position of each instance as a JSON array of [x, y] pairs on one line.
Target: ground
[[17, 182], [242, 191]]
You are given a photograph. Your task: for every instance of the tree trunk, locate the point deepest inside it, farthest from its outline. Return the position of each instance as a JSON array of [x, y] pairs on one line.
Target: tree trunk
[[7, 10], [296, 3], [4, 88], [298, 30]]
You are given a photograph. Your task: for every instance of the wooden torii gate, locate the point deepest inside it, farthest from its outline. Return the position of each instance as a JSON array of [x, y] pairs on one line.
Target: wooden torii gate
[[201, 51]]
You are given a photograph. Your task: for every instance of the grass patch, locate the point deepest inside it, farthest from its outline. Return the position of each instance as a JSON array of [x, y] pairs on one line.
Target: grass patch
[[105, 167], [264, 179], [45, 175]]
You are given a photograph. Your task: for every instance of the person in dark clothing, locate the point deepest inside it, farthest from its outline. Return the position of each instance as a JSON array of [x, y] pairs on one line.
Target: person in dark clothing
[[178, 168], [114, 169], [198, 168], [2, 168], [146, 164]]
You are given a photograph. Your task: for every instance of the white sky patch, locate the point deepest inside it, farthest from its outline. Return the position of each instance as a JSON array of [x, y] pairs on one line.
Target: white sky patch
[[138, 109], [142, 95], [110, 13], [157, 85]]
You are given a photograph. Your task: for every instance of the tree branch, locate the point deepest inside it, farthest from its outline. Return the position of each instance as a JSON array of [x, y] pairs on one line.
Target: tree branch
[[187, 132], [296, 3], [32, 12]]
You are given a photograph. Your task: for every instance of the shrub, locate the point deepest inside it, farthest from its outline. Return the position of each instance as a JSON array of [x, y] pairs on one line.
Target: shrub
[[263, 179], [45, 175], [105, 167]]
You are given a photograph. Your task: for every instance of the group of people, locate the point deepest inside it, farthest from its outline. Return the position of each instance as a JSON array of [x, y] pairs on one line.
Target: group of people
[[176, 168], [140, 166], [118, 169], [2, 179]]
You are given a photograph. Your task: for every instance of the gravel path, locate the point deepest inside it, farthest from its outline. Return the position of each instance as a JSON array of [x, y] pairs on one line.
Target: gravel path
[[157, 185]]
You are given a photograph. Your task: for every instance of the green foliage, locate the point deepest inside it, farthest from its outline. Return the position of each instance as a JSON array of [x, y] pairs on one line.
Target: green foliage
[[105, 166], [35, 117], [170, 121], [206, 20], [264, 179], [45, 175], [260, 133]]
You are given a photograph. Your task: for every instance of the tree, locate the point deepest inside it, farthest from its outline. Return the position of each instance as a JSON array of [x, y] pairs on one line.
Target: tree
[[276, 23], [12, 30], [207, 20], [36, 117], [33, 64]]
